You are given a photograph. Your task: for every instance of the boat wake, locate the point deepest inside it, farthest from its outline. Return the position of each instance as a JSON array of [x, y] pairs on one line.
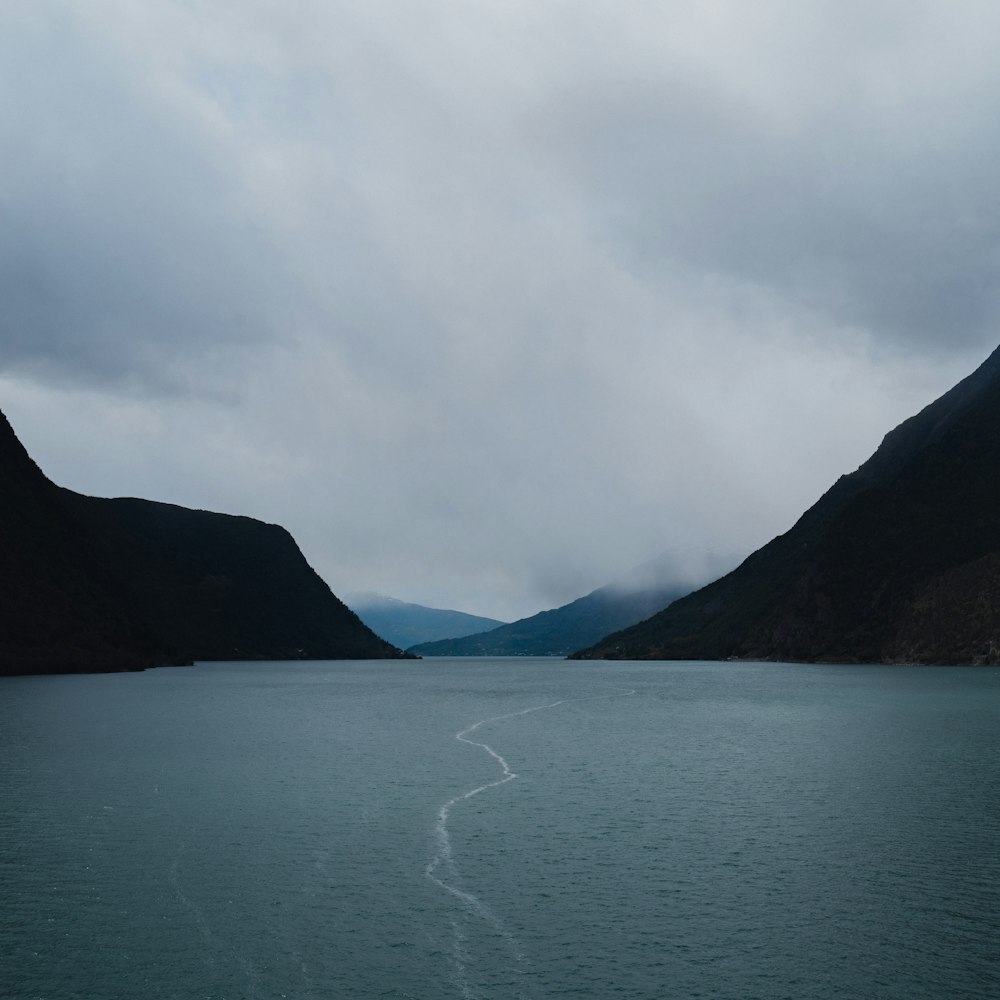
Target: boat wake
[[443, 871]]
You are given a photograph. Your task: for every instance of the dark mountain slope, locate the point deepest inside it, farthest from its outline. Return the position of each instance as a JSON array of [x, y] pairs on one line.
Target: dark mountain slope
[[561, 630], [896, 562], [221, 586], [60, 611], [89, 584], [405, 624]]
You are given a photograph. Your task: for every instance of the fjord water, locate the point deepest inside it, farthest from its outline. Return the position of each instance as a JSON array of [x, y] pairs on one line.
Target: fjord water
[[635, 830]]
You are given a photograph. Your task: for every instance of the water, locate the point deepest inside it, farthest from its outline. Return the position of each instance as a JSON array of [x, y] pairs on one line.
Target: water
[[501, 829]]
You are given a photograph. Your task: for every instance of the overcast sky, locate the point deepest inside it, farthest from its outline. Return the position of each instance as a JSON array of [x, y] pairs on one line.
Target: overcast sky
[[488, 302]]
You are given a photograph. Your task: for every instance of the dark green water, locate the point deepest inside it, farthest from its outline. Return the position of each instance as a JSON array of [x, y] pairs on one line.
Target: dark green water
[[673, 831]]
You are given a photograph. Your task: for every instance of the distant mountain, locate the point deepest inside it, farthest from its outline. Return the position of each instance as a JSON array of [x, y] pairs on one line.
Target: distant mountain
[[561, 630], [405, 625], [89, 584], [897, 562]]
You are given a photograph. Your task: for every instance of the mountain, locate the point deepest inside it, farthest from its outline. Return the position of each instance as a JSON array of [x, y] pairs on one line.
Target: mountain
[[60, 610], [405, 624], [897, 562], [561, 630], [90, 584]]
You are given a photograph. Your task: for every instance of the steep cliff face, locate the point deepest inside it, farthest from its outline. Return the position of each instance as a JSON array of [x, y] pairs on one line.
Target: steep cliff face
[[89, 584], [897, 562]]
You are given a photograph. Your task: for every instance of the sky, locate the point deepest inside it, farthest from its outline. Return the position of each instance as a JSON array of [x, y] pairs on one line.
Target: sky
[[488, 303]]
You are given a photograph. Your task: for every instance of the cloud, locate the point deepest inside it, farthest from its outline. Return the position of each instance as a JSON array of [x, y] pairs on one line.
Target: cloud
[[490, 304], [836, 156], [124, 250]]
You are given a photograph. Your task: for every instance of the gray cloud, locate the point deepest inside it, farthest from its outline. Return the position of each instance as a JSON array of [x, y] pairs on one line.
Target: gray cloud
[[857, 180], [123, 248], [490, 305]]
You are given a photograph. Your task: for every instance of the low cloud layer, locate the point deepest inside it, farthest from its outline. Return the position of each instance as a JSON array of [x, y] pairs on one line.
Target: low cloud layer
[[490, 305]]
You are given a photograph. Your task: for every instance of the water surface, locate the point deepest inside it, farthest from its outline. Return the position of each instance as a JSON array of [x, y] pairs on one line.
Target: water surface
[[500, 829]]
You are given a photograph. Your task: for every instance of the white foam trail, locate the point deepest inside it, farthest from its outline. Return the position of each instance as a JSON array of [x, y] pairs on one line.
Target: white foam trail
[[443, 856]]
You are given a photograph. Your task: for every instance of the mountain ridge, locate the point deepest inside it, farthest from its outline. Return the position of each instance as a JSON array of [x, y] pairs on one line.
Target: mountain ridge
[[559, 631], [405, 624], [862, 574], [94, 584]]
